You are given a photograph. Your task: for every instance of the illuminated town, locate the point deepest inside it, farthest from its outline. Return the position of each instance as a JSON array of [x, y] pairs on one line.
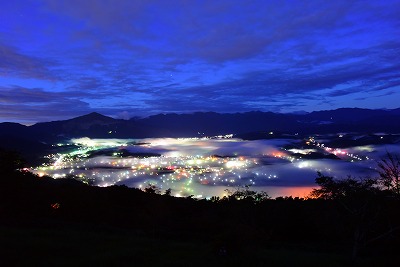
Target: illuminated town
[[198, 167]]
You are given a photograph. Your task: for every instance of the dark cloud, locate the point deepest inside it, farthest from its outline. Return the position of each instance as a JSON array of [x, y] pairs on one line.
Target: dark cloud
[[32, 105], [143, 57], [14, 63]]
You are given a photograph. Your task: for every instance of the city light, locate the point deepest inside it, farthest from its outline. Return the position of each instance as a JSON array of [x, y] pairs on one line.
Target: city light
[[190, 166]]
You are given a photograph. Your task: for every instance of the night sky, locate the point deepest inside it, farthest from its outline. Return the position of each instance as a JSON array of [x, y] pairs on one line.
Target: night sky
[[124, 58]]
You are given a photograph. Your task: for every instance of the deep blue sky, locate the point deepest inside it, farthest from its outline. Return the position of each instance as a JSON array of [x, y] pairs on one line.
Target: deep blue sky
[[123, 58]]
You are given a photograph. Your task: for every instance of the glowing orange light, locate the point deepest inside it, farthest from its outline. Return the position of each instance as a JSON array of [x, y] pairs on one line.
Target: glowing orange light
[[55, 205]]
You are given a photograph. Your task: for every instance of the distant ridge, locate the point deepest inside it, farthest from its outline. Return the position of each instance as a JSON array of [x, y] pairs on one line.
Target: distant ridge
[[96, 125], [94, 116]]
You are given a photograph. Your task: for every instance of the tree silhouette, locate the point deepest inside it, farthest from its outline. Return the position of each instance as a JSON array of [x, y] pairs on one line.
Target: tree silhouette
[[244, 193], [152, 189], [363, 207], [339, 189], [168, 192], [389, 171]]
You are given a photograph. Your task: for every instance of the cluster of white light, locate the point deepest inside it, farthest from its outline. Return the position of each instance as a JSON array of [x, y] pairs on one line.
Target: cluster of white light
[[170, 170], [183, 166]]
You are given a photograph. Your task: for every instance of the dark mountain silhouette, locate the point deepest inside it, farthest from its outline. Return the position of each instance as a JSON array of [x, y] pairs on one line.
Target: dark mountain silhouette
[[349, 115], [74, 127], [30, 150], [354, 120], [211, 123], [13, 129], [91, 119], [250, 125]]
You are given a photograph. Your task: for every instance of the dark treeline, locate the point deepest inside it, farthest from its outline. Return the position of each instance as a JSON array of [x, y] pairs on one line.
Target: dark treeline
[[352, 218]]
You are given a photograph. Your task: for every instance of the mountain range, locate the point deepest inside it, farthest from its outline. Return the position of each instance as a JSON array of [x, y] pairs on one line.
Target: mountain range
[[32, 142], [95, 125]]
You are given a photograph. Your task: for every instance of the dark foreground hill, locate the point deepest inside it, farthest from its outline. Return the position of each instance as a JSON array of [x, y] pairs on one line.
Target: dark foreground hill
[[47, 222]]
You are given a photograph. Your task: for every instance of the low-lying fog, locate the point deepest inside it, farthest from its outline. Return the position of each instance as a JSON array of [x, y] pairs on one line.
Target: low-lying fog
[[206, 167]]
